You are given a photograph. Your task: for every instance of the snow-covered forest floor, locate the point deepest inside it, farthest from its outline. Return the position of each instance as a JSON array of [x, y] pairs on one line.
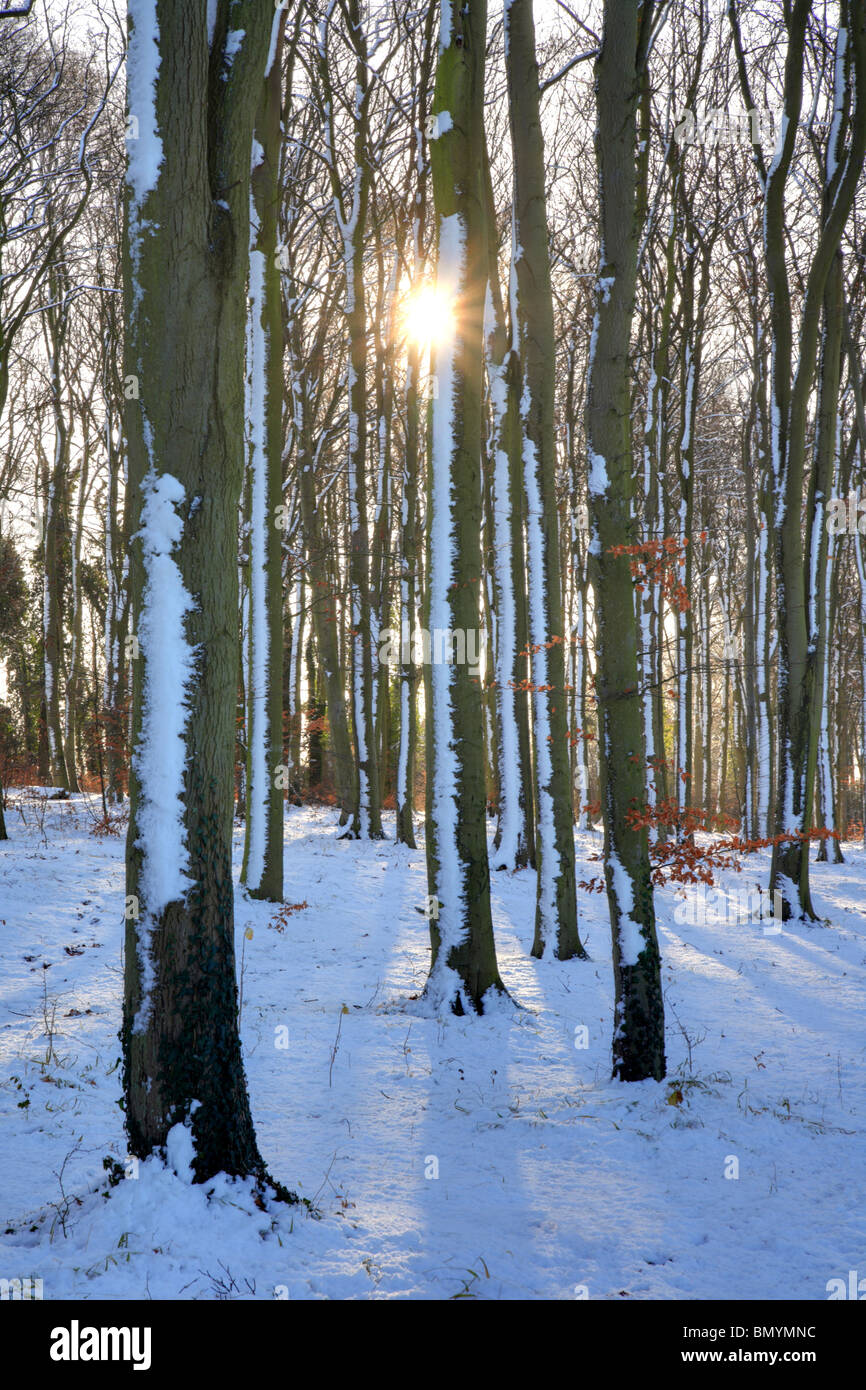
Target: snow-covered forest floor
[[552, 1182]]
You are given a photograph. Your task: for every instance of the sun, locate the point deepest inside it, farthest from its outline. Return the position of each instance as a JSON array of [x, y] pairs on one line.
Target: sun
[[429, 316]]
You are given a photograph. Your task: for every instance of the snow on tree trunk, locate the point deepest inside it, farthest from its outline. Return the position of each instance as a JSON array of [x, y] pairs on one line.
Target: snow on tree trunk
[[263, 847], [533, 329], [185, 267], [638, 1041], [512, 841], [463, 971]]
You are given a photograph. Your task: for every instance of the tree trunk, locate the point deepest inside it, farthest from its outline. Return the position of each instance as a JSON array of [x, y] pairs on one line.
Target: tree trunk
[[463, 966], [263, 845], [185, 265], [351, 213], [513, 843], [638, 1042], [556, 906]]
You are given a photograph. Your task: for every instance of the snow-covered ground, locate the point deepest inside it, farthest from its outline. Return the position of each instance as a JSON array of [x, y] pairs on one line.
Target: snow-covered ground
[[446, 1157]]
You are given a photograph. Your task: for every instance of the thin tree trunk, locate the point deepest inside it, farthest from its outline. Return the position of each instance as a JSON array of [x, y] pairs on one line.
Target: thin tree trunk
[[262, 870], [556, 906]]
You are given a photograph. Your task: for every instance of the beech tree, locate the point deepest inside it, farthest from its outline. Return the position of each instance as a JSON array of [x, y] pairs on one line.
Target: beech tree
[[195, 78], [263, 847], [638, 1040], [556, 909], [351, 203], [411, 547], [463, 966], [514, 841]]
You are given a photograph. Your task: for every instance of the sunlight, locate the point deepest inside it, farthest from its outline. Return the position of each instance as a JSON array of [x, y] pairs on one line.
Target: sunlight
[[429, 316]]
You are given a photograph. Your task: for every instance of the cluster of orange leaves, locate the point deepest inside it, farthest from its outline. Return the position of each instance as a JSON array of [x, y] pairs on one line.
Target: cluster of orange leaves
[[527, 685], [528, 650], [542, 646], [658, 562], [680, 860], [283, 913]]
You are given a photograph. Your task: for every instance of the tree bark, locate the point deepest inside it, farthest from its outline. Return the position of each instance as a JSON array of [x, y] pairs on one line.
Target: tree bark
[[638, 1041], [463, 968], [263, 845], [185, 264], [556, 905]]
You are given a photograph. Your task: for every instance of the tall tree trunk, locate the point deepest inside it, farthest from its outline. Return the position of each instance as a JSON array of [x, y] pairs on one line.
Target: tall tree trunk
[[513, 844], [410, 546], [56, 535], [194, 95], [638, 1041], [409, 586], [351, 213], [463, 966], [263, 844], [556, 906], [821, 542], [115, 609], [74, 694]]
